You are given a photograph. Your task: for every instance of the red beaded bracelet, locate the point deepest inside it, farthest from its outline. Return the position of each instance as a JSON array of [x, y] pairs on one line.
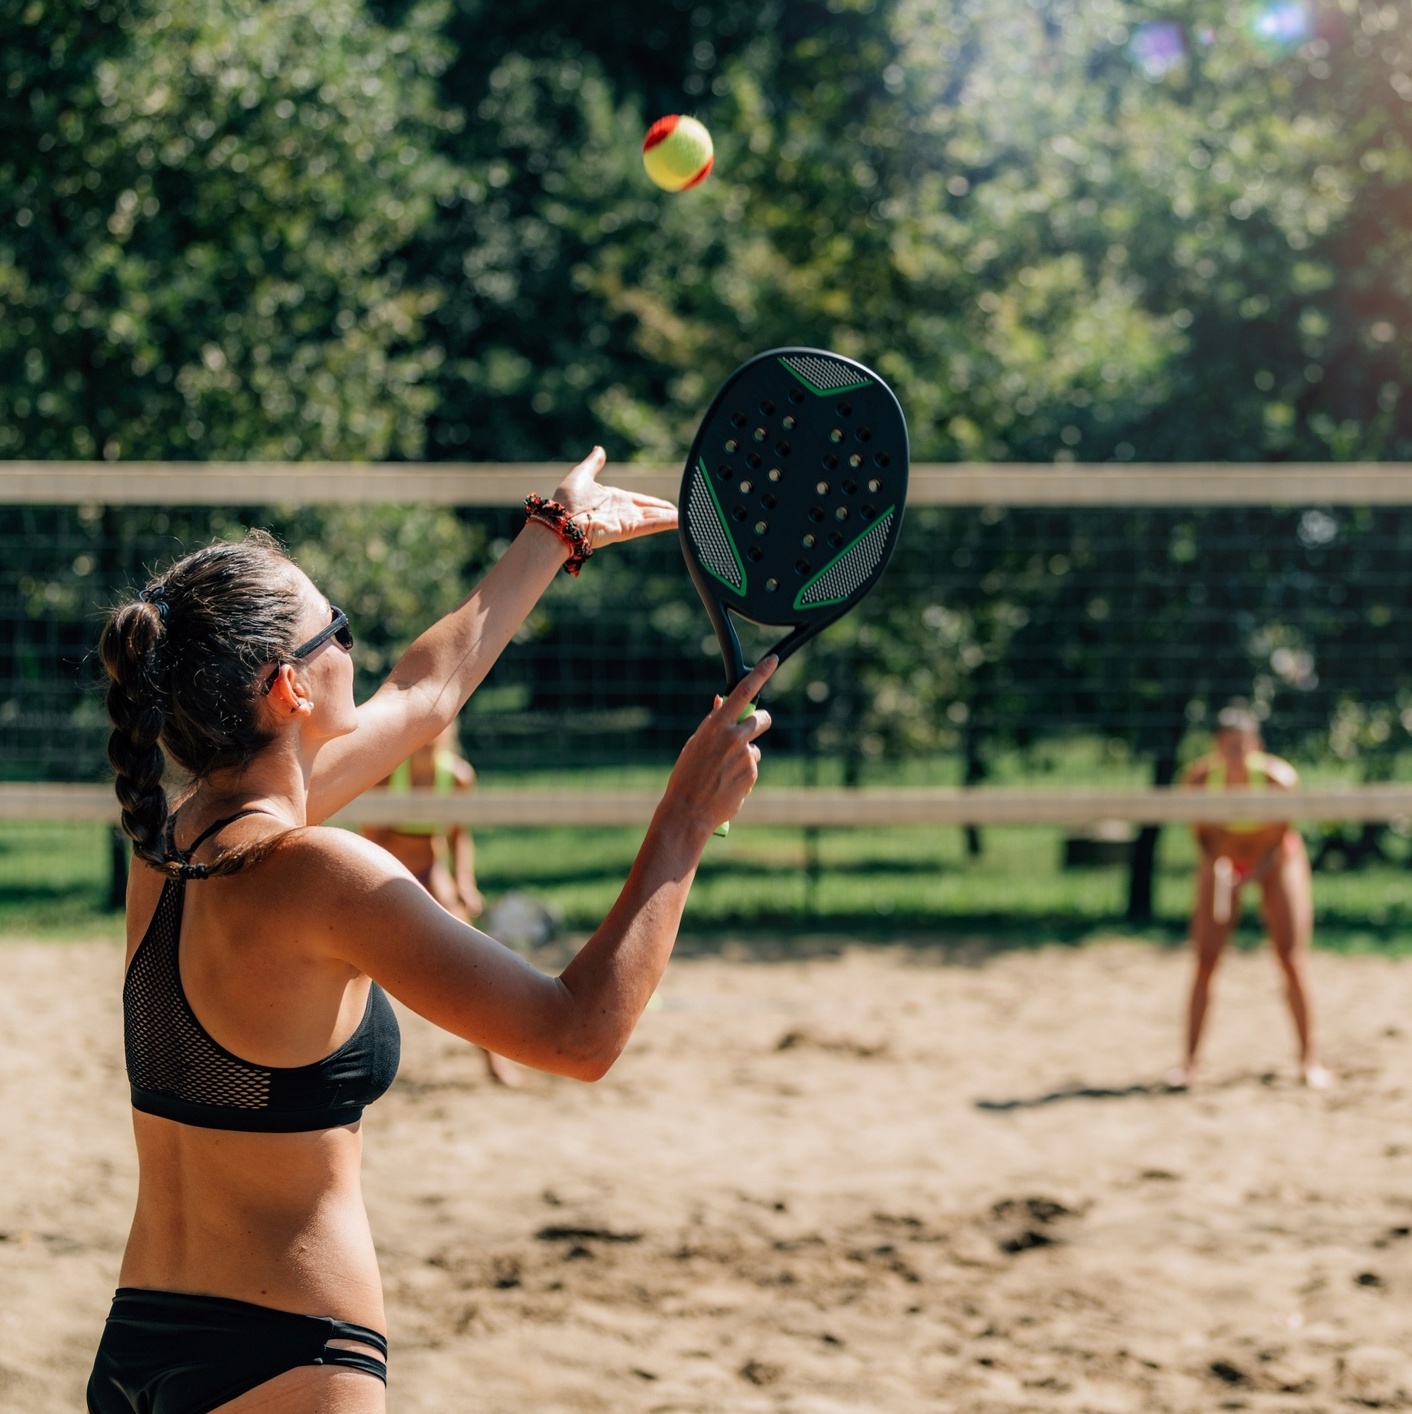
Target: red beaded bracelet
[[557, 518]]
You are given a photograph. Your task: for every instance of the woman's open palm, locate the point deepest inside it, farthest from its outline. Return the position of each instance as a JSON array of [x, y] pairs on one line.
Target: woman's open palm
[[608, 513]]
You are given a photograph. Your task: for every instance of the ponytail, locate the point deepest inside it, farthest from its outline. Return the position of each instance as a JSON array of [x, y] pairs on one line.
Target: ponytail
[[183, 658]]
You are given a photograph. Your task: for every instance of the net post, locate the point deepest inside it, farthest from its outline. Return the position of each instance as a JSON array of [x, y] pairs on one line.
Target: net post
[[117, 875]]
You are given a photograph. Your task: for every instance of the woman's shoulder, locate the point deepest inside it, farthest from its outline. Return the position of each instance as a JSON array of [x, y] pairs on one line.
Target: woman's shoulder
[[1276, 769], [323, 882], [320, 853], [343, 895]]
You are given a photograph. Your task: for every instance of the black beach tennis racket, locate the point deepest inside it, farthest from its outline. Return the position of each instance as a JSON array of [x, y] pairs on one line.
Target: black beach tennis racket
[[792, 496]]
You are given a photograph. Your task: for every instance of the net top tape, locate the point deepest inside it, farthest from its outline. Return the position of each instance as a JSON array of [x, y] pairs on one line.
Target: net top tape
[[506, 484]]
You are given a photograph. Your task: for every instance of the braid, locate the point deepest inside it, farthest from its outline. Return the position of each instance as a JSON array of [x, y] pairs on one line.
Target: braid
[[131, 651], [182, 659]]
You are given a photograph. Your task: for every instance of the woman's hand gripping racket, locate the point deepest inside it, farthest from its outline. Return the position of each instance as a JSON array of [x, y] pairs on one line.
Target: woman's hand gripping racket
[[792, 496]]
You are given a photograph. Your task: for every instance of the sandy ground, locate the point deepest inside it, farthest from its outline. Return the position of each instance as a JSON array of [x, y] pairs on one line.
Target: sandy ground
[[857, 1180]]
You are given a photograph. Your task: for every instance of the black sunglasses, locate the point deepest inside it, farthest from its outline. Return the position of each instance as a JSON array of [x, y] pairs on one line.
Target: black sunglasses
[[338, 630]]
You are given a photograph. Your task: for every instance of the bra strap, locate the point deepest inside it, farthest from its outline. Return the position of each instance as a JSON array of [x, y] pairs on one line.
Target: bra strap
[[185, 854]]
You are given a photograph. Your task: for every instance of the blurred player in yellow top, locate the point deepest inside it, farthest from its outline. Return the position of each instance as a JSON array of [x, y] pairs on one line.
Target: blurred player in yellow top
[[442, 857], [1237, 853]]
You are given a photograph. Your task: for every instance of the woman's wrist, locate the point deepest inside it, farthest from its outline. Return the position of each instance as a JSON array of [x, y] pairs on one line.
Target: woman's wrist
[[557, 518], [679, 827], [549, 538]]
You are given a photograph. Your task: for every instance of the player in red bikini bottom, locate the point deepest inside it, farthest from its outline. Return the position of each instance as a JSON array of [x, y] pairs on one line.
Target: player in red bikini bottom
[[1241, 853]]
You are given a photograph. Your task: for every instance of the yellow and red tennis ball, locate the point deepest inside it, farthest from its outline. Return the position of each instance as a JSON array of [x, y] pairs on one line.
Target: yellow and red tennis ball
[[677, 152]]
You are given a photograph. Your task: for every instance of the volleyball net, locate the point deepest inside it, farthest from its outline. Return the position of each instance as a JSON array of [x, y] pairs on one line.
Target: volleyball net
[[1049, 643]]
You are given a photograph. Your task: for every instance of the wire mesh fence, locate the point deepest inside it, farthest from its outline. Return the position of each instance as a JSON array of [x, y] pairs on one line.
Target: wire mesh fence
[[1077, 644]]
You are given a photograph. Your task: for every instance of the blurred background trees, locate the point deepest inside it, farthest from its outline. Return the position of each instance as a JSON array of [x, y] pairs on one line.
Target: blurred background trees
[[1066, 230]]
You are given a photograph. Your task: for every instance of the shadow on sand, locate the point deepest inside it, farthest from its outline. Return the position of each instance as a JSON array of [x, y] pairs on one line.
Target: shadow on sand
[[1267, 1078], [1077, 1092]]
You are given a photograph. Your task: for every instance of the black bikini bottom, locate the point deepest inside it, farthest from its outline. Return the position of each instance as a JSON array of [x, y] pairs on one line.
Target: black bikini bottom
[[164, 1352]]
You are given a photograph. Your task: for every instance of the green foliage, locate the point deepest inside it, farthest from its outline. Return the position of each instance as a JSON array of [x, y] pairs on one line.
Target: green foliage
[[206, 208], [1050, 253], [392, 572], [265, 234]]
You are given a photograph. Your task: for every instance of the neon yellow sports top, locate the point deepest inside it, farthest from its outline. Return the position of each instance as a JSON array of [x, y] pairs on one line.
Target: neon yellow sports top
[[443, 783], [1256, 769]]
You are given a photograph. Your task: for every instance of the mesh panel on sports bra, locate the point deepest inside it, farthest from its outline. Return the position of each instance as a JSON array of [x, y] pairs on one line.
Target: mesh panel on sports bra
[[168, 1050]]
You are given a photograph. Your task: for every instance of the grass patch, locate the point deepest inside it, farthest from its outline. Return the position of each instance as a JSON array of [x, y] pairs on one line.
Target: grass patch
[[879, 884], [54, 881]]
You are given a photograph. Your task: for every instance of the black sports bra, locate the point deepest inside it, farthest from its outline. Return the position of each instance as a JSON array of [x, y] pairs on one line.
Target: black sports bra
[[177, 1071]]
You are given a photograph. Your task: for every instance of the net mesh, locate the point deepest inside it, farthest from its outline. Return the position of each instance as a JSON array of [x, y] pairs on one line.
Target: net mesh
[[1050, 651], [997, 635], [852, 569]]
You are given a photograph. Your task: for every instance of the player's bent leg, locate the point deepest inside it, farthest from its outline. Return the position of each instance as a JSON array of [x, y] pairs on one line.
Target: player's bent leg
[[1209, 939], [437, 881], [442, 887], [1289, 916], [502, 1071]]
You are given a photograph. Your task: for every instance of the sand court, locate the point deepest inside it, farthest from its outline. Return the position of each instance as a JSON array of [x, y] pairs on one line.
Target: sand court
[[823, 1178]]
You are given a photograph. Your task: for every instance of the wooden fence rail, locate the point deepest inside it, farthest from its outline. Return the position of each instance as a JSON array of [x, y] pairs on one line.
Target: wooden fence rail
[[488, 484], [870, 807]]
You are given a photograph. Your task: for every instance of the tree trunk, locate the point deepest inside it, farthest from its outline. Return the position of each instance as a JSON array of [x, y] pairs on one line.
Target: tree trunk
[[1144, 865]]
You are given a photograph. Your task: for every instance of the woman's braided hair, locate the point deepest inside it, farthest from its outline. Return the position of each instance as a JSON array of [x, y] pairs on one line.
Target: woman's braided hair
[[183, 658]]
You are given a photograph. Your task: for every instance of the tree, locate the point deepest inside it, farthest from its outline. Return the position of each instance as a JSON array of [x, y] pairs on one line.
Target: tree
[[207, 204]]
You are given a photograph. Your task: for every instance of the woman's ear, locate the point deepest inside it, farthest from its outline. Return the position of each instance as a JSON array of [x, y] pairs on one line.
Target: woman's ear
[[287, 697]]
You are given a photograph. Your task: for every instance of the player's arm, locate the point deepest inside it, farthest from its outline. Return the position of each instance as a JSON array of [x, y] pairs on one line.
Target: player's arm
[[458, 837], [1279, 776], [1194, 778], [576, 1024], [1197, 773], [432, 680], [463, 868]]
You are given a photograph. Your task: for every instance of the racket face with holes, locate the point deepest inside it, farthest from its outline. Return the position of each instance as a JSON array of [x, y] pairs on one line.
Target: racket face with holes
[[792, 496]]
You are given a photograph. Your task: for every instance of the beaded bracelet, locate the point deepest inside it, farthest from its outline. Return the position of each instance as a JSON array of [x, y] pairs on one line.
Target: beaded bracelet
[[557, 518]]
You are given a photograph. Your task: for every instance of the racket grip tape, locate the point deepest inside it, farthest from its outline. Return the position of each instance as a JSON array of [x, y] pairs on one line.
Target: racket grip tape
[[724, 828]]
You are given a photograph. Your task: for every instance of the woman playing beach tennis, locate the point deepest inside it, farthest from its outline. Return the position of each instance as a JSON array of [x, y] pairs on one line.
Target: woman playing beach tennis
[[259, 945], [1236, 854]]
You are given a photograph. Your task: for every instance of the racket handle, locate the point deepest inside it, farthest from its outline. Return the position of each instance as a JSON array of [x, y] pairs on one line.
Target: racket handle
[[724, 828]]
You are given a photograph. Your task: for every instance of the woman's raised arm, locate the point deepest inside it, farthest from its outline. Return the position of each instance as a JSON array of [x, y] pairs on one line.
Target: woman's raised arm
[[431, 681], [382, 922]]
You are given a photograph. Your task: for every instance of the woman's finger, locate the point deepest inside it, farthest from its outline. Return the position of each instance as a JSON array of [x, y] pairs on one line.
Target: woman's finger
[[648, 521], [748, 688], [593, 463], [757, 723], [579, 487]]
